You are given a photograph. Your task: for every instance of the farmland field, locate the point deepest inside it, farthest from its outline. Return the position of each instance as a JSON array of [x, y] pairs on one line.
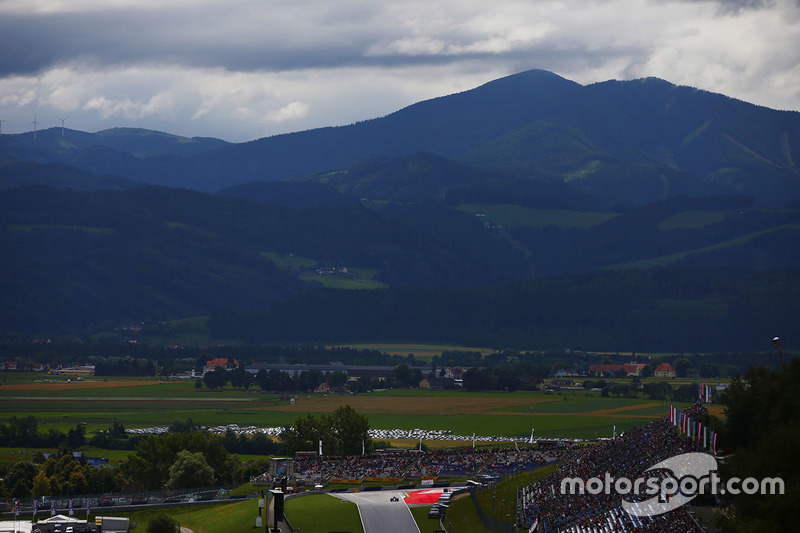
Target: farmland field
[[147, 403], [420, 351]]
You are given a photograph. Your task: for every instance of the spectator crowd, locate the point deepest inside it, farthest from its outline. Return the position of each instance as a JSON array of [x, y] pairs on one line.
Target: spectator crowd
[[312, 468], [627, 456]]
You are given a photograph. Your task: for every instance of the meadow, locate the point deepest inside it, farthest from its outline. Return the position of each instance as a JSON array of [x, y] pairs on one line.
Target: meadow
[[510, 216], [138, 403]]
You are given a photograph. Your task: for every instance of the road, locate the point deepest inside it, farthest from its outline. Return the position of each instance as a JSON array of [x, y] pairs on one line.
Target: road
[[381, 515]]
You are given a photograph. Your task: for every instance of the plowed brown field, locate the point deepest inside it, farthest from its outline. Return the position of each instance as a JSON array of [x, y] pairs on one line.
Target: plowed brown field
[[76, 385]]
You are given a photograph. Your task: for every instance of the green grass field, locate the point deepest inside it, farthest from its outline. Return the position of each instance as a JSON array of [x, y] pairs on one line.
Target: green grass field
[[321, 512], [463, 517], [141, 403], [424, 352], [514, 215], [356, 278], [240, 516], [692, 219], [425, 524]]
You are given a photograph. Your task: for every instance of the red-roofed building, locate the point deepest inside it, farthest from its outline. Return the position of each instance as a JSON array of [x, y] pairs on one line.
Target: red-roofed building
[[664, 370], [220, 361]]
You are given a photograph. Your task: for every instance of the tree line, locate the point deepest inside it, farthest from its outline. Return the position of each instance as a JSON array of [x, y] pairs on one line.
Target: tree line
[[185, 457], [657, 310]]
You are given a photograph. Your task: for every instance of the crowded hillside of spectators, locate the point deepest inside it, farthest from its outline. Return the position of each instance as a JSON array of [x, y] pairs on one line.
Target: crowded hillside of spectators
[[627, 456], [394, 464]]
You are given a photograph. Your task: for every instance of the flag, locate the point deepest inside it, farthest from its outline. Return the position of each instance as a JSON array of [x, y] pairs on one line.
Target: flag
[[35, 507], [516, 446], [53, 507], [16, 507], [320, 447], [70, 507], [699, 431], [714, 443], [88, 508]]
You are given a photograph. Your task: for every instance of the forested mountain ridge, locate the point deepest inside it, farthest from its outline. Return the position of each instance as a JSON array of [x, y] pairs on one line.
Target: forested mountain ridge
[[455, 200], [74, 258], [619, 142], [680, 310], [80, 260]]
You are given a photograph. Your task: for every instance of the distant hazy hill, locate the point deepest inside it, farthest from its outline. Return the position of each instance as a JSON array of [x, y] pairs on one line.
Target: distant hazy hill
[[108, 154], [54, 143], [26, 173], [617, 142]]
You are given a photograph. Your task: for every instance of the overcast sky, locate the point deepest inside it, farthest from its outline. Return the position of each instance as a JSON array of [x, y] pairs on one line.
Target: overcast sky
[[244, 69]]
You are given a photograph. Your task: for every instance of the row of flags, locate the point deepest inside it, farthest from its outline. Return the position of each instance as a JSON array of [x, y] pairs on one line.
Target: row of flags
[[704, 393], [15, 508], [694, 429]]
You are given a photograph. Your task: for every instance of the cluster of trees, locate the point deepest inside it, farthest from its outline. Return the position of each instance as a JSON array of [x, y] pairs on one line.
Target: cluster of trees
[[24, 432], [258, 444], [344, 432], [403, 376], [180, 460], [762, 429], [185, 457], [140, 359], [60, 474], [660, 390]]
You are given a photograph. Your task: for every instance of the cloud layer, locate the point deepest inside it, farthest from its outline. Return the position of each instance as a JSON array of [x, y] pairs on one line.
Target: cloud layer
[[250, 68]]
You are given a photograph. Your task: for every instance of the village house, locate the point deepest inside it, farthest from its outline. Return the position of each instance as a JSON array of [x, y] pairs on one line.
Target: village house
[[220, 361], [664, 370], [433, 383]]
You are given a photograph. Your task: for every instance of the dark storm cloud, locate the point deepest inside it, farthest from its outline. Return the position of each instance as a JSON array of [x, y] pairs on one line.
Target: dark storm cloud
[[245, 68], [39, 42]]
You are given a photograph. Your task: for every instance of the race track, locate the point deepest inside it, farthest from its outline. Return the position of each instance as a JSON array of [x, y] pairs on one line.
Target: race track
[[381, 515]]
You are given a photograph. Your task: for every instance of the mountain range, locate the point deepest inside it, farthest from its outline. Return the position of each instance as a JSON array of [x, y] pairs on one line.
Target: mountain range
[[617, 142], [526, 177]]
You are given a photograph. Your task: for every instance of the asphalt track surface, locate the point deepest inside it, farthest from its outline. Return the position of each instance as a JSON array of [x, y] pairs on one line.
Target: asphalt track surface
[[381, 515]]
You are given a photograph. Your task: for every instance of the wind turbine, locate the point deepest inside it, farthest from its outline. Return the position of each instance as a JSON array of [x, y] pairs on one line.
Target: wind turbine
[[34, 126], [62, 124]]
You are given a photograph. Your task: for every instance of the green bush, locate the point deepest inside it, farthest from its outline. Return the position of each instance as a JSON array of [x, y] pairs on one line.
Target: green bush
[[162, 523]]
